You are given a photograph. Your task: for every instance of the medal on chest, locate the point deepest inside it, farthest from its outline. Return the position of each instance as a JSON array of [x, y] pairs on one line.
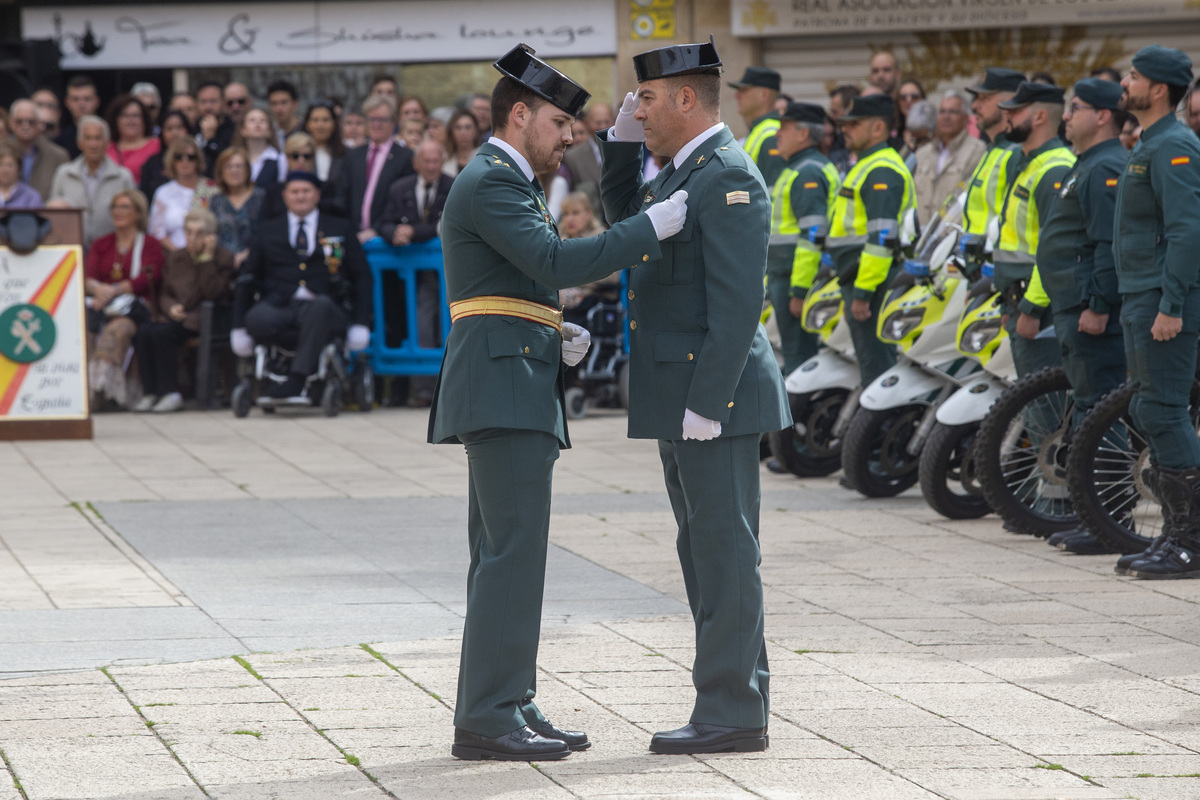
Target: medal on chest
[[332, 247]]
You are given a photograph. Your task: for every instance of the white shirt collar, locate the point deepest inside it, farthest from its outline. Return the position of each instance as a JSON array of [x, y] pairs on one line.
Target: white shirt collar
[[310, 227], [690, 147], [526, 170]]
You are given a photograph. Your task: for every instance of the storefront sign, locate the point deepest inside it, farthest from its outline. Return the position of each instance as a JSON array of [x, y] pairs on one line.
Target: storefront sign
[[42, 352], [322, 32], [792, 17]]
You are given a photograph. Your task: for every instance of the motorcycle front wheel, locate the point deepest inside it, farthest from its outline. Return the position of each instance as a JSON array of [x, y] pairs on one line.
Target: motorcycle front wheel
[[948, 476], [875, 457]]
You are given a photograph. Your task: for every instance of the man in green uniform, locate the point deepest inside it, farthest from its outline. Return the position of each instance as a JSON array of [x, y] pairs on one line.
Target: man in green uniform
[[800, 204], [756, 94], [500, 391], [703, 380], [1075, 262], [864, 230], [1033, 116], [1157, 232], [996, 170]]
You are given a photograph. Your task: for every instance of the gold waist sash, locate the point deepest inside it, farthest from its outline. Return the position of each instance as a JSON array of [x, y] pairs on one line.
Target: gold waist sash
[[508, 307]]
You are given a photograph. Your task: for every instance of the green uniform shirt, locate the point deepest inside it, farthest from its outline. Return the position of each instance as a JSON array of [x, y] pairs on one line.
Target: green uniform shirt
[[989, 183], [1074, 255], [800, 206], [1157, 228], [1030, 196], [763, 149]]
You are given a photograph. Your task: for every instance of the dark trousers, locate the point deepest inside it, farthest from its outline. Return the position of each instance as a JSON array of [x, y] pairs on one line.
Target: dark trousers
[[1095, 365], [1162, 375], [429, 318], [509, 474], [157, 347], [714, 491], [1030, 355], [316, 322], [798, 344], [874, 357]]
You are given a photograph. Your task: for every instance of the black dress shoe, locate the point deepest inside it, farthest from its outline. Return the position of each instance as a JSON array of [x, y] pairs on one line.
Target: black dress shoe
[[520, 745], [576, 740], [292, 387], [1083, 543], [1175, 558], [698, 737], [773, 465]]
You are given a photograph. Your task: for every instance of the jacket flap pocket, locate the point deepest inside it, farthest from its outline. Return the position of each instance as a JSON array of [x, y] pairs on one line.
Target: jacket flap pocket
[[682, 347], [523, 341], [1142, 240], [685, 235]]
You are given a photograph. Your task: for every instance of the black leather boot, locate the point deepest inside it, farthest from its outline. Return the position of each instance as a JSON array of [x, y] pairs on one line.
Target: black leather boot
[[1179, 554]]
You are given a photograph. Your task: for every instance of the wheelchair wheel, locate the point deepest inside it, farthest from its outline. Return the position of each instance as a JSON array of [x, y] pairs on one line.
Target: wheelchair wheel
[[577, 403], [331, 397], [364, 384], [239, 401]]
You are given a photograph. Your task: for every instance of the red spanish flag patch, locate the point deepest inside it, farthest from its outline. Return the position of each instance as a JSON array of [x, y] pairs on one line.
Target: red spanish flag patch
[[1178, 160], [1110, 182], [880, 187]]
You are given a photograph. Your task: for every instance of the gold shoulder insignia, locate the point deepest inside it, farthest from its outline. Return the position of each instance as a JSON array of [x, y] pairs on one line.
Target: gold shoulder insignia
[[732, 198], [700, 160]]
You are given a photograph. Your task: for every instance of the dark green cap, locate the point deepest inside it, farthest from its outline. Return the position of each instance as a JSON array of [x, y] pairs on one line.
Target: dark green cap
[[998, 79], [1164, 65], [804, 112], [876, 105], [1099, 93], [758, 76], [1029, 92]]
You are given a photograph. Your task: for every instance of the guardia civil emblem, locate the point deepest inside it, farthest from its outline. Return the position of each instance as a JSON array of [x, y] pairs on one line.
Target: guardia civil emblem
[[26, 333]]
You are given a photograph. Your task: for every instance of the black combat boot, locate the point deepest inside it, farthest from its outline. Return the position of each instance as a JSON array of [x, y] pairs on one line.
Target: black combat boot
[[1179, 554]]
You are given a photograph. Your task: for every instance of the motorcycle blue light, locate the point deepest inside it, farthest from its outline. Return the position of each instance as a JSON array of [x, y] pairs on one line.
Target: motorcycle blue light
[[917, 269]]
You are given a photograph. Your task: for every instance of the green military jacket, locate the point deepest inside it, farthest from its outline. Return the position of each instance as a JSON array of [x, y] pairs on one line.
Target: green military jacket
[[764, 149], [1074, 256], [694, 334], [800, 204], [1158, 215], [499, 239]]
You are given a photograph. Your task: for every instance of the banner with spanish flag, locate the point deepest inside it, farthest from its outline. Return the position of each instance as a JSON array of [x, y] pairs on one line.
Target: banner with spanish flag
[[43, 353]]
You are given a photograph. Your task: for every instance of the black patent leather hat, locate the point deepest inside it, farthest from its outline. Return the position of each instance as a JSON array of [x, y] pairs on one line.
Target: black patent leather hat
[[545, 81], [678, 59]]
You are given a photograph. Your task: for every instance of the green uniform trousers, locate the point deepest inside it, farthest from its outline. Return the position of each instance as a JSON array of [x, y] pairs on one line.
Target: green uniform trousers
[[874, 357], [1095, 365], [1030, 355], [509, 473], [1162, 375], [714, 492], [798, 344]]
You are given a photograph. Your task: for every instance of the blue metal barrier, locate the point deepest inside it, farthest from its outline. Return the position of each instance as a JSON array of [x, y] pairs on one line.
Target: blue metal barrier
[[405, 262]]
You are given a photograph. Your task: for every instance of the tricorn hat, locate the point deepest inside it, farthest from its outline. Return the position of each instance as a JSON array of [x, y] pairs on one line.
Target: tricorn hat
[[678, 59], [545, 81]]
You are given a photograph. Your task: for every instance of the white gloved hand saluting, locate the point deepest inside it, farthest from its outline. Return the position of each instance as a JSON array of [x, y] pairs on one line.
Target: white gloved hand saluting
[[698, 428], [358, 337], [576, 341], [241, 342], [669, 215], [626, 128]]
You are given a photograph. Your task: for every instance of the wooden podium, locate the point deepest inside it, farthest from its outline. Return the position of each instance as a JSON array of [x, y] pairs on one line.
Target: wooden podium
[[43, 336]]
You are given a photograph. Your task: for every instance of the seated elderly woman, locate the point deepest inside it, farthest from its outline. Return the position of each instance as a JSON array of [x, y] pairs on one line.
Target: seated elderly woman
[[187, 189], [201, 271], [121, 272]]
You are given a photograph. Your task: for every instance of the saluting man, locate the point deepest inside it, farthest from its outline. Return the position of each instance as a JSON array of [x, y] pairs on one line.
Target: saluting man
[[800, 204], [500, 391], [703, 379], [1156, 238]]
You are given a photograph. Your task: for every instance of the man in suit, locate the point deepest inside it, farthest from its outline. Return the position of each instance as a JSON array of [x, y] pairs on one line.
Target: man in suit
[[40, 157], [703, 379], [81, 100], [413, 211], [583, 157], [500, 391], [312, 277], [372, 168]]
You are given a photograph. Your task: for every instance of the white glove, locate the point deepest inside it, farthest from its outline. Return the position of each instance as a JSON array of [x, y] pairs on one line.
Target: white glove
[[699, 428], [626, 128], [668, 216], [358, 337], [576, 341], [241, 342]]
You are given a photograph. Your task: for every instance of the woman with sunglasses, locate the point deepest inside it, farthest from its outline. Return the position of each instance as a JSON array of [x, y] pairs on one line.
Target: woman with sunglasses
[[300, 150], [255, 136], [175, 126], [187, 189], [131, 127]]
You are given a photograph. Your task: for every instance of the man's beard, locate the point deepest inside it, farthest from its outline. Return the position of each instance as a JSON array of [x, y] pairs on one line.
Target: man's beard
[[542, 159], [1131, 103], [1020, 134], [990, 122]]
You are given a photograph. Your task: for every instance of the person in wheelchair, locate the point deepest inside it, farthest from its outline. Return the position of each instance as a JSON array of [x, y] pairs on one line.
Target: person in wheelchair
[[312, 282]]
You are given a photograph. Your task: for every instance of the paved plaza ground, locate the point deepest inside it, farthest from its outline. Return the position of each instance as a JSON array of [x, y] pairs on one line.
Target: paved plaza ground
[[198, 606]]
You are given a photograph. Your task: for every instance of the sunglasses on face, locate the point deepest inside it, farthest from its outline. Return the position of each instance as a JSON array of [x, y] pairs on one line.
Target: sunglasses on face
[[236, 101], [301, 156], [186, 157]]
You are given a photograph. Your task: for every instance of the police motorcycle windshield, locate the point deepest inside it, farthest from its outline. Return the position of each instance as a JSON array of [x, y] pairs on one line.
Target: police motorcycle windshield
[[931, 248]]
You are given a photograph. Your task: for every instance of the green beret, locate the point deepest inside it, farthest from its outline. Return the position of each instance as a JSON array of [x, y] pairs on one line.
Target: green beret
[[1164, 65], [1099, 93]]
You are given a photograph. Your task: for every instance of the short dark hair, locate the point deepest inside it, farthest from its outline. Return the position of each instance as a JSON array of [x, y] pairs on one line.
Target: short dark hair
[[1043, 77], [80, 82], [506, 95], [1107, 74], [706, 86], [213, 84], [382, 77], [282, 86], [1175, 95], [1119, 116], [846, 93], [119, 104]]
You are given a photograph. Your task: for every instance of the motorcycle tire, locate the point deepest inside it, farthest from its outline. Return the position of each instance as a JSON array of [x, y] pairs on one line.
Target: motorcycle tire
[[948, 477], [875, 458], [1021, 454], [808, 448], [1104, 474]]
